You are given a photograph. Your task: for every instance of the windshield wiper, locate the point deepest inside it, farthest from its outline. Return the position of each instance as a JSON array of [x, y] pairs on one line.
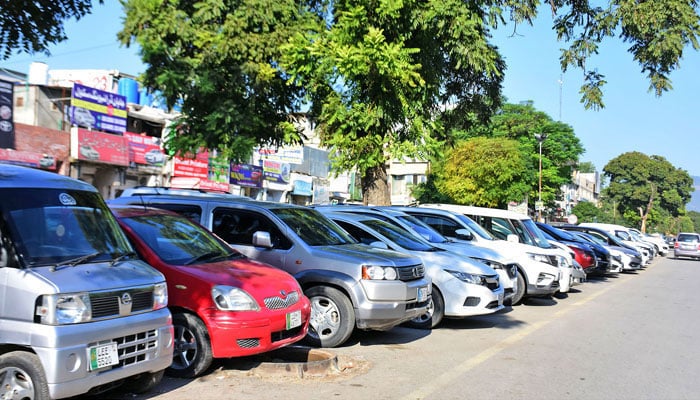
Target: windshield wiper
[[76, 261], [213, 256], [121, 257]]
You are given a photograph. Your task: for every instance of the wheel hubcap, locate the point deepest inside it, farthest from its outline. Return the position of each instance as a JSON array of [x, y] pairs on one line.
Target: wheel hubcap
[[325, 317], [184, 349], [16, 384]]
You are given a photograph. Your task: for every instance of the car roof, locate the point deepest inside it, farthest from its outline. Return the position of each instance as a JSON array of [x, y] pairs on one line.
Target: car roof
[[483, 211], [15, 176], [170, 191]]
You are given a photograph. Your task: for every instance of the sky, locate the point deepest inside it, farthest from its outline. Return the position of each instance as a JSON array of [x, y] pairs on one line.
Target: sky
[[633, 119]]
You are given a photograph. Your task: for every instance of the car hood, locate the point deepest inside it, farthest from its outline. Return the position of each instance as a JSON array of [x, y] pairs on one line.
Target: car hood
[[469, 250], [363, 254], [457, 262]]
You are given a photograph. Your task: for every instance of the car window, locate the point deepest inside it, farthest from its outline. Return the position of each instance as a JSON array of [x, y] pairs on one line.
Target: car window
[[236, 226], [359, 234], [312, 227], [686, 238], [398, 235], [192, 212], [443, 225], [475, 228]]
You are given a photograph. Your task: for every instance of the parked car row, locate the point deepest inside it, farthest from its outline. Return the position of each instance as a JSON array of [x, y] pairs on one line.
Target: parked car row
[[165, 280]]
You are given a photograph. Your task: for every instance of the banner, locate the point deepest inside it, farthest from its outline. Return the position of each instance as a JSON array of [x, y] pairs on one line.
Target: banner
[[93, 108], [246, 175], [7, 127]]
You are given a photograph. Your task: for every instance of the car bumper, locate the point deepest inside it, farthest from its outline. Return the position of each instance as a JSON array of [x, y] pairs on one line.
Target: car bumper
[[686, 253], [465, 299], [382, 310], [235, 334]]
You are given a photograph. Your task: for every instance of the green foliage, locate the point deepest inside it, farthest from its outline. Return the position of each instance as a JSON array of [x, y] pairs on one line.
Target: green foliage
[[694, 216], [586, 211], [218, 60], [636, 180], [32, 26], [586, 167], [488, 172]]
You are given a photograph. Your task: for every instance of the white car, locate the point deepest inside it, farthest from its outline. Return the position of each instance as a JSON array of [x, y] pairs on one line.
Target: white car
[[538, 272], [83, 117], [461, 287], [154, 156], [89, 152]]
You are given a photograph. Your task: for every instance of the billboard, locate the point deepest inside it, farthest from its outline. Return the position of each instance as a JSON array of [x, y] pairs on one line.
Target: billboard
[[246, 175], [94, 108], [144, 149], [100, 147], [7, 127]]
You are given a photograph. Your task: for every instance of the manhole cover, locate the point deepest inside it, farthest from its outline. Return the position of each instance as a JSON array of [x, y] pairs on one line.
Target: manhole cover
[[298, 361]]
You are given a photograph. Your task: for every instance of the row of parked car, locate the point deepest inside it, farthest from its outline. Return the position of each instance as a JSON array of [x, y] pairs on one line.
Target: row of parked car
[[242, 277]]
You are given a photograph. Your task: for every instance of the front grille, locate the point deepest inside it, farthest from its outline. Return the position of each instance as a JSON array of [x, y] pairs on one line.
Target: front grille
[[555, 284], [286, 334], [133, 349], [130, 301], [411, 272], [491, 282], [248, 343], [472, 301], [411, 306], [278, 302], [492, 305]]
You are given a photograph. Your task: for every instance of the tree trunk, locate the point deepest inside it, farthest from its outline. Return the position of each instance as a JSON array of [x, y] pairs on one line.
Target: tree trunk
[[644, 214], [375, 188]]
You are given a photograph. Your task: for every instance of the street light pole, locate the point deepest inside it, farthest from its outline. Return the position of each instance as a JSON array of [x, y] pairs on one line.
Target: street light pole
[[540, 138]]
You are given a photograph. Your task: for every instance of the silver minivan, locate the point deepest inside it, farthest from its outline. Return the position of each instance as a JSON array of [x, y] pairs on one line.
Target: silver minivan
[[79, 312], [350, 285]]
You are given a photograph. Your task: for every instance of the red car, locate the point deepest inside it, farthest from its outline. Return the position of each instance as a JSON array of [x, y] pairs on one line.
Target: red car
[[223, 303]]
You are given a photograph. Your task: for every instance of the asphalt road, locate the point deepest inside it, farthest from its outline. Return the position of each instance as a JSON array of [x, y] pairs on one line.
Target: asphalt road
[[626, 336]]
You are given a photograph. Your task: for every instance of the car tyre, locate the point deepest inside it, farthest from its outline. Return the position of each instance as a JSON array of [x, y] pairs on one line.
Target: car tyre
[[436, 311], [332, 317], [192, 354], [143, 383], [520, 289], [22, 376]]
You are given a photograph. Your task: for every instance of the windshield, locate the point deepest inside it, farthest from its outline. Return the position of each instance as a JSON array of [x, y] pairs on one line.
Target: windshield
[[51, 226], [476, 228], [312, 227], [177, 240], [398, 235], [423, 229], [535, 233], [564, 235]]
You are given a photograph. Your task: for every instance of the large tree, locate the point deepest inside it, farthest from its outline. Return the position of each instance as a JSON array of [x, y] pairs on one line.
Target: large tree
[[384, 78], [32, 26], [639, 183]]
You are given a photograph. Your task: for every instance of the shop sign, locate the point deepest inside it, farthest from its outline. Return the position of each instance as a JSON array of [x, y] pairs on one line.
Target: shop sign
[[7, 126], [287, 154], [302, 188], [275, 171], [219, 168], [246, 175], [27, 159], [144, 149], [93, 108], [101, 147], [194, 167], [185, 182]]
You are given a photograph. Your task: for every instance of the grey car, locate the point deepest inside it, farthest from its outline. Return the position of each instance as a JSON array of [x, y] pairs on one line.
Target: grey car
[[350, 285], [687, 245]]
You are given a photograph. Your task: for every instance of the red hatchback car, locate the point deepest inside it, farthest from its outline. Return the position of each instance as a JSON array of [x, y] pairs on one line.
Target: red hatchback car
[[223, 304]]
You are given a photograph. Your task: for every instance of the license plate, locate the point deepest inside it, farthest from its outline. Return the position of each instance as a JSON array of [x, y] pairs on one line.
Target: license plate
[[103, 356], [422, 294], [294, 319]]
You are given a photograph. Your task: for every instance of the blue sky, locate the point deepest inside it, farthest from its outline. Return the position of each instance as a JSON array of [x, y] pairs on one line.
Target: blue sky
[[633, 119]]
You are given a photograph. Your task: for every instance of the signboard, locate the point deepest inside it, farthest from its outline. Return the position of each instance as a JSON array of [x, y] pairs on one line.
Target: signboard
[[100, 147], [95, 78], [193, 167], [287, 154], [194, 172], [246, 175], [27, 159], [275, 171], [144, 149], [7, 126], [93, 108], [219, 168]]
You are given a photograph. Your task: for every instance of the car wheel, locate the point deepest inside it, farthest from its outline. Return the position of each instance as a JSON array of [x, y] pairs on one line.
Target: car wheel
[[192, 354], [143, 383], [332, 317], [520, 290], [436, 311], [22, 377]]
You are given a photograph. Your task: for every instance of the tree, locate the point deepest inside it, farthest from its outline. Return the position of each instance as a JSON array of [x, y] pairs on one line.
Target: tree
[[487, 172], [384, 79], [560, 150], [638, 183], [586, 167], [218, 60], [586, 211], [31, 26]]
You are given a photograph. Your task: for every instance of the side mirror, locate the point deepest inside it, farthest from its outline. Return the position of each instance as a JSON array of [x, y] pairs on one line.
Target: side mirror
[[379, 245], [464, 234], [262, 239], [513, 238]]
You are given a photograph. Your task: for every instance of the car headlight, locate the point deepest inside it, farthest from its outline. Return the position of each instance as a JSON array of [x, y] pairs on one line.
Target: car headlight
[[542, 258], [490, 263], [65, 308], [229, 298], [376, 272], [564, 262], [468, 278], [160, 296]]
